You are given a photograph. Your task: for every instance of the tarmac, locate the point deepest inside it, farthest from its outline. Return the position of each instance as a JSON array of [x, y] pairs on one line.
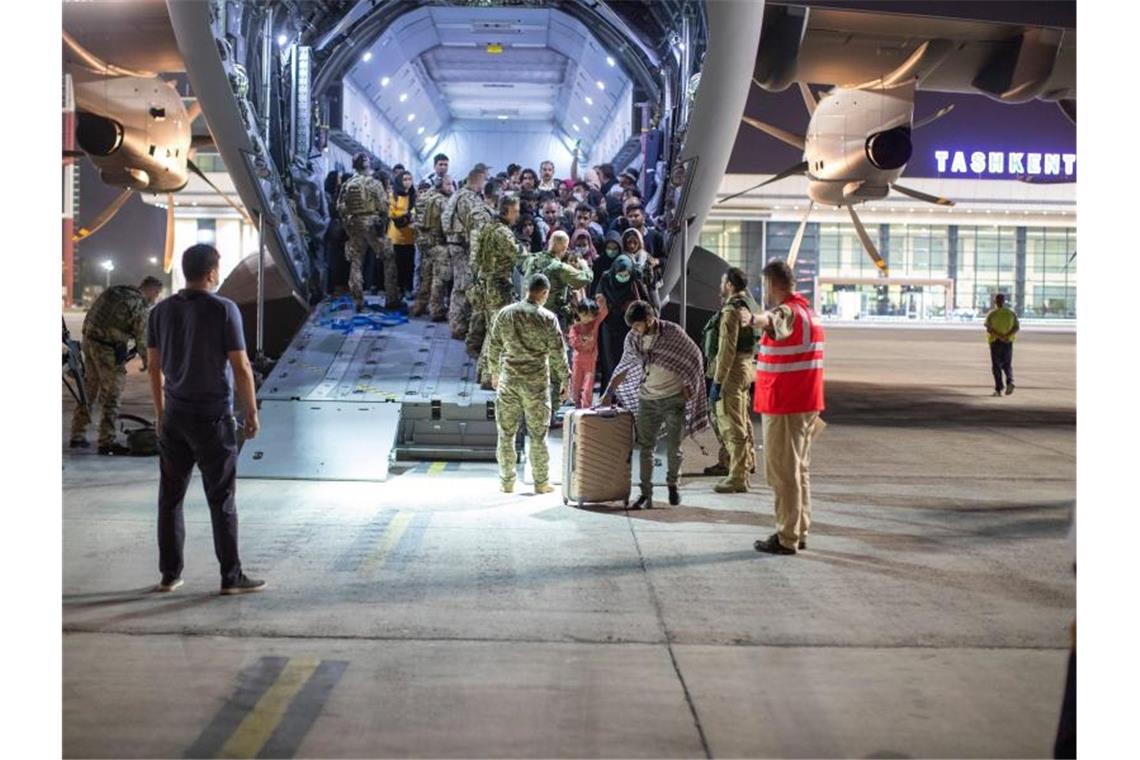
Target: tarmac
[[433, 616]]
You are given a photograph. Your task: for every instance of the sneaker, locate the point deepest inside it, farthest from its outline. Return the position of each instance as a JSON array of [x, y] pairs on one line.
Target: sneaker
[[997, 393], [674, 496], [113, 449], [772, 545], [166, 585], [727, 486], [1009, 389], [541, 488], [244, 585], [716, 469], [643, 502], [507, 487], [79, 443]]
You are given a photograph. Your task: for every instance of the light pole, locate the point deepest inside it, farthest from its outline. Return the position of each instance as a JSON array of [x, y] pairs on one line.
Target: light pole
[[109, 266]]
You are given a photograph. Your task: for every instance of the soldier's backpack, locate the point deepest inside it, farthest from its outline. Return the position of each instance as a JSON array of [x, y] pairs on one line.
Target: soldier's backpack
[[357, 200], [452, 225], [141, 440]]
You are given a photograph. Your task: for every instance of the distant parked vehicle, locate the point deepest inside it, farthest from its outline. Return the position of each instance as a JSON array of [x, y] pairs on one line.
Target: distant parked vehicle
[[964, 314]]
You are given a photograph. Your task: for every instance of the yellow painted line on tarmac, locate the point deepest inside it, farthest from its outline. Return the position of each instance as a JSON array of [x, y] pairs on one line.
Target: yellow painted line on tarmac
[[436, 468], [388, 540], [256, 728]]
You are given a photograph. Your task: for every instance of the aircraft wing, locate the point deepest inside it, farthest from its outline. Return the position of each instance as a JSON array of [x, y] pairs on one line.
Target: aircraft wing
[[1009, 62]]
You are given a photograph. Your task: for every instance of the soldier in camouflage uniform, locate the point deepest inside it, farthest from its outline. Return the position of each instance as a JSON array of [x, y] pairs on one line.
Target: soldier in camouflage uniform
[[117, 318], [436, 273], [499, 253], [425, 191], [481, 216], [455, 213], [363, 206], [525, 354], [567, 273]]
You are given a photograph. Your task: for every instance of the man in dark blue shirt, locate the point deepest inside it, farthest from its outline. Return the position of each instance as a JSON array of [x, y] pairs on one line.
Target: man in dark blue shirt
[[196, 355]]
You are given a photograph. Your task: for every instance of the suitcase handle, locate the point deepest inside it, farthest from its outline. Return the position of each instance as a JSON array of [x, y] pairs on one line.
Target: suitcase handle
[[605, 411]]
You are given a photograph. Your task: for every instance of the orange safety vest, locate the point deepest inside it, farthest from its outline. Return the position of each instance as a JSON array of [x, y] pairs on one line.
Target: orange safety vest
[[789, 372]]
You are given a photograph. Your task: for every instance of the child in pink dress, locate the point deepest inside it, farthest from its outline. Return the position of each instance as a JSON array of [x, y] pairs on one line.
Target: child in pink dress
[[584, 341]]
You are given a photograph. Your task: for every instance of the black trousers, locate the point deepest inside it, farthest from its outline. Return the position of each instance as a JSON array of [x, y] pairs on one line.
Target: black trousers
[[405, 265], [1001, 360], [211, 443]]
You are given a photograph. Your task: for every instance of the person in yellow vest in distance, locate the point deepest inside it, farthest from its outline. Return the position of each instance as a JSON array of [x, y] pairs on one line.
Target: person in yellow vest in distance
[[1001, 331], [789, 393]]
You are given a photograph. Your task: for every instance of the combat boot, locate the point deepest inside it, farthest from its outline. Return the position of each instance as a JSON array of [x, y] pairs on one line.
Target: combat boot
[[731, 486], [541, 488]]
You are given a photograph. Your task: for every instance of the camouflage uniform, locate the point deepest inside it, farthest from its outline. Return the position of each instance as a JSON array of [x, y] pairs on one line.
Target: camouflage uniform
[[525, 351], [480, 216], [455, 210], [733, 368], [564, 278], [363, 205], [117, 317], [434, 257], [498, 254], [423, 268]]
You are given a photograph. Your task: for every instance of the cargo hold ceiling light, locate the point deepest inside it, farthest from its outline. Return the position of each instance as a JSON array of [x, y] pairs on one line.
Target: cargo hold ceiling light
[[585, 119], [411, 117], [367, 56], [589, 101], [281, 40], [575, 127], [502, 117], [403, 96], [610, 60], [384, 81], [601, 84], [420, 131]]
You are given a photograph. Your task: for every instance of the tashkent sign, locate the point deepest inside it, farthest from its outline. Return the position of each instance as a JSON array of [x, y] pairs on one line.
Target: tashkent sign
[[1008, 164]]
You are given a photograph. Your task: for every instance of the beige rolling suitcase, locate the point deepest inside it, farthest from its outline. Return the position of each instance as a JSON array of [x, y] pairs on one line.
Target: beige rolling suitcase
[[597, 447]]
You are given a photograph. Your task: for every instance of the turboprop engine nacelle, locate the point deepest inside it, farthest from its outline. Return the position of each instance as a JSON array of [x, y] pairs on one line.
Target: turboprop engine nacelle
[[858, 143], [135, 130]]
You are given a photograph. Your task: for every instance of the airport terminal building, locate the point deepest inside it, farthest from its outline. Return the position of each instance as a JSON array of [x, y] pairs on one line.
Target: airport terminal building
[[1012, 228]]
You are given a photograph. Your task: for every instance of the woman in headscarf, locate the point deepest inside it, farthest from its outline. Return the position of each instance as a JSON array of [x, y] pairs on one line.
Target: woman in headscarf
[[619, 287], [633, 245], [401, 202], [611, 249]]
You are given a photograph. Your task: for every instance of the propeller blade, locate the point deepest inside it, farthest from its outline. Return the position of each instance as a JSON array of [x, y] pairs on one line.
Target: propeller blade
[[933, 117], [104, 216], [791, 171], [810, 100], [868, 244], [796, 141], [168, 249], [794, 251], [232, 203], [918, 195]]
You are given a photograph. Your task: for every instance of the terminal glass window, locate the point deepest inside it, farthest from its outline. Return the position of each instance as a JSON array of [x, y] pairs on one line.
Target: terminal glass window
[[1050, 275], [725, 240]]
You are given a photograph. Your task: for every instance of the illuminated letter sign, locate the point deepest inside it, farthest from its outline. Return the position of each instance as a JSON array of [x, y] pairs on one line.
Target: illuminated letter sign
[[1002, 164]]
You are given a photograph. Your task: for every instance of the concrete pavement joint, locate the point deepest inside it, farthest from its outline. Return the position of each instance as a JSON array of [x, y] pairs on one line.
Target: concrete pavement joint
[[74, 630], [668, 639]]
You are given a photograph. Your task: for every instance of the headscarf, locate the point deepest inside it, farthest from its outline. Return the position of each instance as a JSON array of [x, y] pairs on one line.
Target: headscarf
[[591, 255]]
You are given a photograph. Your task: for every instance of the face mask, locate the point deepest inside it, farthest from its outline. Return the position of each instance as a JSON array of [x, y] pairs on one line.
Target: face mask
[[580, 197], [622, 277], [611, 252]]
